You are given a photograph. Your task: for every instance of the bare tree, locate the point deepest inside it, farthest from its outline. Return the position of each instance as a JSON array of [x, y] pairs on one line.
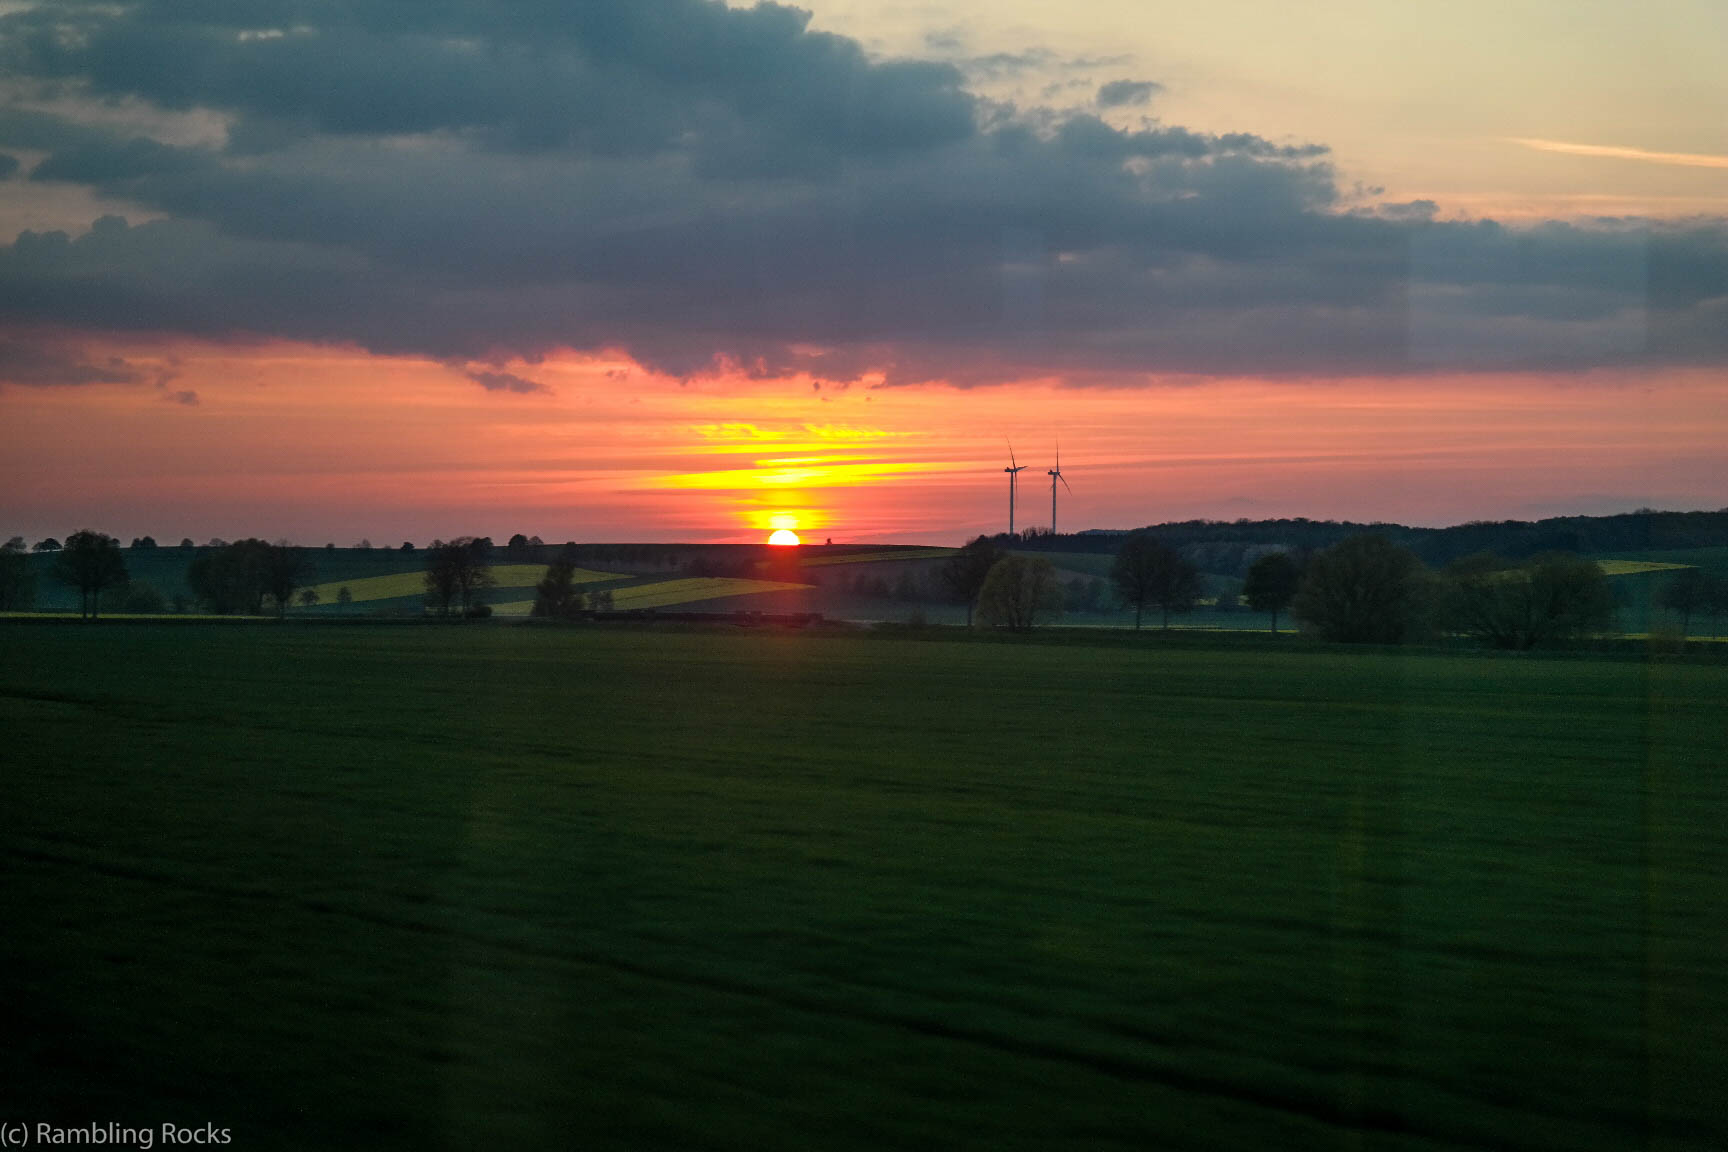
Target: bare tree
[[1019, 593], [457, 573], [1148, 571], [1548, 597], [963, 574]]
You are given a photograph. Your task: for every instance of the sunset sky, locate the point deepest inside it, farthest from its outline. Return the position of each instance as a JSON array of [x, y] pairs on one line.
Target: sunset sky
[[664, 269]]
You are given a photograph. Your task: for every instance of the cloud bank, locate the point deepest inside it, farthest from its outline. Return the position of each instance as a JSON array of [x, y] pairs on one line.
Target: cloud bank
[[695, 185]]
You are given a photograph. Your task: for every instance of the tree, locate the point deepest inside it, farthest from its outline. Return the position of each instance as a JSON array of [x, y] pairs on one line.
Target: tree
[[309, 597], [90, 562], [963, 574], [283, 568], [143, 543], [344, 597], [1019, 592], [1686, 592], [1548, 597], [556, 596], [407, 547], [233, 578], [1271, 584], [186, 544], [457, 573], [1149, 571], [1716, 599], [1364, 590], [48, 545], [144, 599], [17, 582]]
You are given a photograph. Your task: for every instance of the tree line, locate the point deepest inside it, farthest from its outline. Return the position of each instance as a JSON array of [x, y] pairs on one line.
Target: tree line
[[1231, 546], [1365, 588]]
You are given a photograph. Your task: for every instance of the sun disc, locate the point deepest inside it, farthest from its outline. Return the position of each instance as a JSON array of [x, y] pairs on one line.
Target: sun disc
[[784, 536]]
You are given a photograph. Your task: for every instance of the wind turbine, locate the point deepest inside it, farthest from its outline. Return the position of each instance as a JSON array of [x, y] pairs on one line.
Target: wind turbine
[[1055, 474], [1014, 470]]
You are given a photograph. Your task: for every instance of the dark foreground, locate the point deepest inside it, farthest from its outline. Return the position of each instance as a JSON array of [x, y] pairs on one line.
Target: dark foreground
[[507, 887]]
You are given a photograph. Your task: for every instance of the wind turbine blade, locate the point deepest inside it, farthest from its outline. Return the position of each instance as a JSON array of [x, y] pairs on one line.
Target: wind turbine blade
[[1011, 459], [1064, 480]]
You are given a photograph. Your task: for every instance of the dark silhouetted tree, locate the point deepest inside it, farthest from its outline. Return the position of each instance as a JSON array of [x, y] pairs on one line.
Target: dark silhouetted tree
[[48, 545], [17, 581], [143, 599], [91, 562], [1364, 590], [186, 544], [344, 597], [1019, 593], [1550, 597], [309, 598], [1148, 571], [1271, 584], [143, 543], [557, 596], [963, 574], [457, 574], [1686, 592], [230, 579], [285, 570]]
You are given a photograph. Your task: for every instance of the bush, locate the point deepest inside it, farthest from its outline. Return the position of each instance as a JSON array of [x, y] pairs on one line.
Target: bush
[[1364, 590], [1019, 593], [1550, 597]]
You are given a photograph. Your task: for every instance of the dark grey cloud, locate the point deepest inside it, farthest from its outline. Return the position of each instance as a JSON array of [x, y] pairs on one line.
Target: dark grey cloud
[[44, 364], [8, 166], [477, 182], [1118, 93], [506, 382]]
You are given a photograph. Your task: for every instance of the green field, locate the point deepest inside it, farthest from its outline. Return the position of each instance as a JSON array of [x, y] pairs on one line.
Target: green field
[[491, 886]]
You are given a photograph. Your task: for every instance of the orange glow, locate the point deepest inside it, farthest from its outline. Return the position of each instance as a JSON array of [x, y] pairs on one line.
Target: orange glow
[[784, 538], [319, 444]]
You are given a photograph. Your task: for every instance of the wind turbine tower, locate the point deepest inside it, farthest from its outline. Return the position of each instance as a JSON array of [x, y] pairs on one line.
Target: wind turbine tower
[[1055, 474], [1014, 469]]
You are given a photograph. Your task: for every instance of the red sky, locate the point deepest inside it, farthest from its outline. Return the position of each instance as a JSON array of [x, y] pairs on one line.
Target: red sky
[[325, 445]]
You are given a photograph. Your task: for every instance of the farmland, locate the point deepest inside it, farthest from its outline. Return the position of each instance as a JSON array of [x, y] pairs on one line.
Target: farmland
[[412, 583], [484, 886]]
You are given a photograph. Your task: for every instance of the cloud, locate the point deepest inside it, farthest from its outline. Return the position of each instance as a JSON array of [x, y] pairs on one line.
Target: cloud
[[185, 396], [505, 382], [8, 166], [44, 365], [699, 185], [1118, 93], [1682, 159]]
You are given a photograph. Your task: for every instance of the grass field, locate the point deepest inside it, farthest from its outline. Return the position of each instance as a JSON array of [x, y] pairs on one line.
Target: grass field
[[477, 886]]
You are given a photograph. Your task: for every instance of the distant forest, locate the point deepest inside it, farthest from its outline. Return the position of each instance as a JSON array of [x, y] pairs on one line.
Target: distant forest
[[1228, 547]]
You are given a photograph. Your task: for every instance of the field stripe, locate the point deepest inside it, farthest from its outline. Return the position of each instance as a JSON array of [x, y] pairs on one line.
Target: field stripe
[[398, 584]]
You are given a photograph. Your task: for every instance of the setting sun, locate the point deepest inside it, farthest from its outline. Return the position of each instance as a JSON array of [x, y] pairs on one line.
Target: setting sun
[[784, 536]]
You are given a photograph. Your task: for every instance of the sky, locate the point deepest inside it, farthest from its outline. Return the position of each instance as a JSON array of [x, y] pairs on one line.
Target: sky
[[666, 269]]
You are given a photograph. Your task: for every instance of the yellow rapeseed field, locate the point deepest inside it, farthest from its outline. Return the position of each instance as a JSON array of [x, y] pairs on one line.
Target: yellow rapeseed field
[[1636, 567], [666, 593], [874, 557], [414, 583]]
